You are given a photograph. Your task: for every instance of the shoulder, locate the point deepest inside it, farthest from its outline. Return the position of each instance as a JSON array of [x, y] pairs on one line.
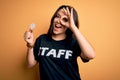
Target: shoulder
[[43, 36], [41, 39], [73, 41]]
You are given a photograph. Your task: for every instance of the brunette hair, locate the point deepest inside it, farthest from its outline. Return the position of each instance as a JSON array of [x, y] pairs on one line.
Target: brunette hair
[[69, 33]]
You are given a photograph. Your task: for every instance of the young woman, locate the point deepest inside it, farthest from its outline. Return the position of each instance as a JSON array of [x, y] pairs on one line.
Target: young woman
[[57, 51]]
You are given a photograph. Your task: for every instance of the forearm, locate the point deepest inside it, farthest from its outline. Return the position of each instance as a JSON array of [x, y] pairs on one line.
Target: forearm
[[86, 48], [30, 57]]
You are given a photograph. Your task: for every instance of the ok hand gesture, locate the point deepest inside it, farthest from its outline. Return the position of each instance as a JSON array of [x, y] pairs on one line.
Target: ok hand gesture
[[70, 24]]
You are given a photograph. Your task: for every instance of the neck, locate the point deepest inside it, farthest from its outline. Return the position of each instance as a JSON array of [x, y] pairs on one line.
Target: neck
[[58, 37]]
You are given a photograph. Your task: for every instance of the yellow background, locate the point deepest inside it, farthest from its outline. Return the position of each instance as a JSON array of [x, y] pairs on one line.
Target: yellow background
[[99, 22]]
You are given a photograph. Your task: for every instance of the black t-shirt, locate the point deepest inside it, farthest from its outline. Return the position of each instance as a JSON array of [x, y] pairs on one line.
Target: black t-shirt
[[57, 59]]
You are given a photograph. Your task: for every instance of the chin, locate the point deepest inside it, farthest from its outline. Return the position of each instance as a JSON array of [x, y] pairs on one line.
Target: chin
[[56, 33]]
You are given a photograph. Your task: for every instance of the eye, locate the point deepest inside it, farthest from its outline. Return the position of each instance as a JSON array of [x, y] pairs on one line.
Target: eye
[[65, 19], [57, 15]]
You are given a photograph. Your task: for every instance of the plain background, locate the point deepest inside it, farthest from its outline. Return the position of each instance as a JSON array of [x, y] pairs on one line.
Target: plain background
[[99, 23]]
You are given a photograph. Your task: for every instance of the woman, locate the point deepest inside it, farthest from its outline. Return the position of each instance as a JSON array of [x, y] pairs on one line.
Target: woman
[[57, 51]]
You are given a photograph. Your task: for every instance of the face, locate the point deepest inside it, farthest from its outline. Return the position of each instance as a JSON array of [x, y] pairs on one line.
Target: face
[[60, 18]]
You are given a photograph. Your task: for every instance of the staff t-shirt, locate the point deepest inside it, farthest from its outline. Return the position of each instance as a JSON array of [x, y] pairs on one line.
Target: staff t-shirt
[[57, 59]]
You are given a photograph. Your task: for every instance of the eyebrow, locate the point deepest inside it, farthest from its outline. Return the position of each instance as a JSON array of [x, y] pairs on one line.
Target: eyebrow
[[63, 13]]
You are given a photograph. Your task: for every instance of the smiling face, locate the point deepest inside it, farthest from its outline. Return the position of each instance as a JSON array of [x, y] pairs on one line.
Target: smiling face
[[56, 28], [60, 18]]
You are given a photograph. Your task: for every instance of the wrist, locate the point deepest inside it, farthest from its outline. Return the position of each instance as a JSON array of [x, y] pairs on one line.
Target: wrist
[[30, 45], [73, 28]]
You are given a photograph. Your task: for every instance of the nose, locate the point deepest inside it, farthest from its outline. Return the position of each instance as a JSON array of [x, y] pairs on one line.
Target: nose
[[58, 21]]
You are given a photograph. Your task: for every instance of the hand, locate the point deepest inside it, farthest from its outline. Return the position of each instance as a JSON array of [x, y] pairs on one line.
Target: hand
[[70, 22], [28, 37]]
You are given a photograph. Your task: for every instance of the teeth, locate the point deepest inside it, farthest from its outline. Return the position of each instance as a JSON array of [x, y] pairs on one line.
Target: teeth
[[58, 25]]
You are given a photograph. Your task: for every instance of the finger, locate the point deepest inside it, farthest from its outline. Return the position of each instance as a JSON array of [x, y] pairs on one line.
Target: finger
[[68, 11], [65, 11], [71, 12], [27, 35], [62, 22], [30, 30]]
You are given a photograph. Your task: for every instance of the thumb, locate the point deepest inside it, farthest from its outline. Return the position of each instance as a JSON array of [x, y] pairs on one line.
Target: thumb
[[63, 23], [30, 30]]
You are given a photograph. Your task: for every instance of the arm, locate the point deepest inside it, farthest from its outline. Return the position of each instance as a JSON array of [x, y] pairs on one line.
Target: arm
[[87, 50], [30, 58], [28, 36]]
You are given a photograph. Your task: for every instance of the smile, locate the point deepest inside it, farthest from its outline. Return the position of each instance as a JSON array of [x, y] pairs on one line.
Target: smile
[[58, 25]]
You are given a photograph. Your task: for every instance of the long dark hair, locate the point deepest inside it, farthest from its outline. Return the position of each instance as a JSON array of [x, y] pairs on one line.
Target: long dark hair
[[69, 33]]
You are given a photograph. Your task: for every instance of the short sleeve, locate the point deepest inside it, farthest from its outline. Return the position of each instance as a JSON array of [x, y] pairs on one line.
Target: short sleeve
[[77, 50], [36, 49]]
